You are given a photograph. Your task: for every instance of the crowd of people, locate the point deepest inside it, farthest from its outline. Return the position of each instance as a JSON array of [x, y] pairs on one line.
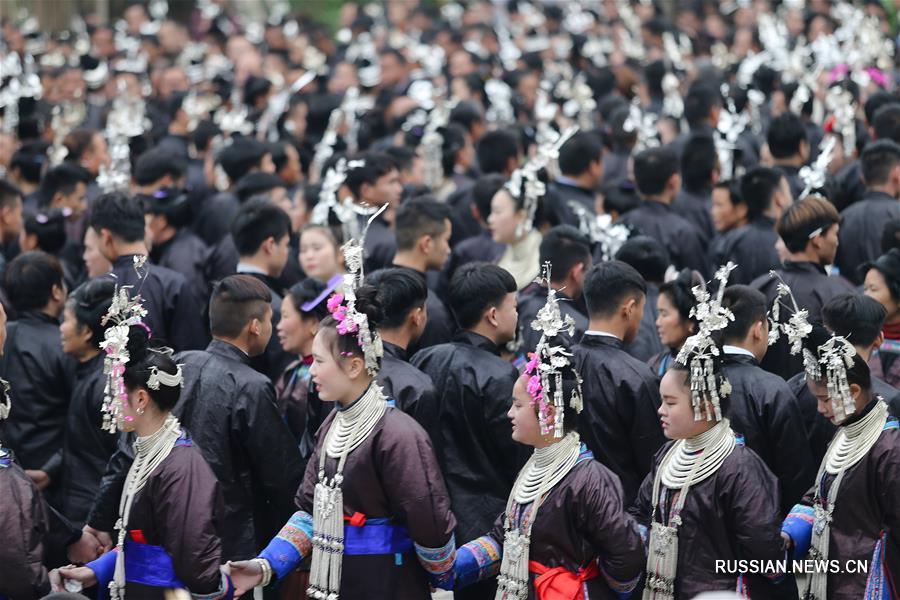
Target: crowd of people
[[515, 300]]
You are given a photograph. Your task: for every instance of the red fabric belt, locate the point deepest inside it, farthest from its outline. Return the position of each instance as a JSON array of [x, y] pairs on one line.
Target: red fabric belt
[[560, 583]]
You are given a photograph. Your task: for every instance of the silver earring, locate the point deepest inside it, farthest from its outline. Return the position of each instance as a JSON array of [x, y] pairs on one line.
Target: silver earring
[[140, 411]]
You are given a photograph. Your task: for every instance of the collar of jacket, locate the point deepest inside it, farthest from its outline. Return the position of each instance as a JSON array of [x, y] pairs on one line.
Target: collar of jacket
[[878, 196], [125, 260], [803, 266], [741, 359], [596, 341], [228, 350], [479, 341], [394, 350]]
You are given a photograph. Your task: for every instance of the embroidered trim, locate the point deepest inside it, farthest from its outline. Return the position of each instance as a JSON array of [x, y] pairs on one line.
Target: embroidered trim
[[438, 562]]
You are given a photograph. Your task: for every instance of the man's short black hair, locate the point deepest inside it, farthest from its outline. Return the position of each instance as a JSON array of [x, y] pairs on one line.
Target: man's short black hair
[[256, 221], [699, 102], [648, 256], [63, 178], [877, 161], [9, 194], [476, 287], [467, 114], [400, 291], [803, 218], [241, 156], [454, 140], [29, 161], [856, 317], [653, 168], [483, 192], [786, 135], [419, 217], [758, 187], [876, 101], [404, 157], [375, 166], [156, 163], [608, 284], [258, 182], [887, 122], [699, 160], [495, 149], [579, 151], [748, 305], [564, 247], [50, 229], [890, 235], [236, 300], [122, 215], [30, 278]]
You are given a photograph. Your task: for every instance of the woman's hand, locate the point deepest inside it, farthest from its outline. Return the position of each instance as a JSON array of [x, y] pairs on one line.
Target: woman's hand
[[83, 575], [245, 575]]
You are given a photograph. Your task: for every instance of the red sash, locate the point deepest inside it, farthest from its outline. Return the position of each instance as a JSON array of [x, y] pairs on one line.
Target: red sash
[[560, 583]]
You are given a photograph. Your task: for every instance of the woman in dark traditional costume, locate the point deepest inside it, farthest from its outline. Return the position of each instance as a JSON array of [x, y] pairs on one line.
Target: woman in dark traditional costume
[[674, 322], [853, 511], [564, 534], [373, 510], [167, 528], [708, 497]]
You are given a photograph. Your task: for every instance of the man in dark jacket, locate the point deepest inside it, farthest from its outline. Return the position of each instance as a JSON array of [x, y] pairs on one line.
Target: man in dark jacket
[[261, 233], [569, 253], [657, 179], [789, 147], [173, 311], [752, 247], [651, 260], [403, 296], [621, 395], [762, 407], [809, 230], [699, 172], [39, 373], [373, 184], [423, 244], [581, 168], [230, 410], [477, 455], [862, 222]]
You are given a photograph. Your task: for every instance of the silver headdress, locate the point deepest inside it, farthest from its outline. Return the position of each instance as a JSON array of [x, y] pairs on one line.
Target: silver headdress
[[840, 102], [606, 235], [832, 359], [125, 121], [346, 210], [343, 116], [643, 124], [813, 176], [699, 351], [524, 182], [797, 327], [343, 307], [432, 144], [122, 314], [547, 362], [5, 402]]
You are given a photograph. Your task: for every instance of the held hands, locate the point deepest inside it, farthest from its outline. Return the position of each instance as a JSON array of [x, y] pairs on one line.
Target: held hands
[[83, 575], [102, 537], [39, 478], [245, 575], [86, 549]]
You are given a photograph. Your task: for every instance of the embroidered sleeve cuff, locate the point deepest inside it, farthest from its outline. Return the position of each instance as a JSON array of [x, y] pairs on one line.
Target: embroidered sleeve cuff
[[798, 525], [622, 588], [477, 560], [292, 543], [438, 563], [104, 569], [225, 591]]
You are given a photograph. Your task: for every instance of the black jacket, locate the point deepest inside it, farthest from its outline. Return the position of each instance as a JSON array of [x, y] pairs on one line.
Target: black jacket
[[619, 422], [751, 248], [685, 243], [696, 208], [411, 389], [765, 411], [860, 235], [479, 247], [41, 379], [792, 174], [475, 449], [87, 446], [812, 290], [185, 253], [530, 301], [174, 313], [380, 245], [230, 411], [213, 222], [564, 197]]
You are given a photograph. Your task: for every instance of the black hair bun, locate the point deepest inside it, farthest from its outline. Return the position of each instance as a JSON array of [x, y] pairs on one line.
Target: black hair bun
[[138, 343], [368, 304]]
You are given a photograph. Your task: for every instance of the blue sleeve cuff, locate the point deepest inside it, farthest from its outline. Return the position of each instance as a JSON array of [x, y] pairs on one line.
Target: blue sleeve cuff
[[798, 525], [477, 560], [438, 563], [104, 569], [292, 543]]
